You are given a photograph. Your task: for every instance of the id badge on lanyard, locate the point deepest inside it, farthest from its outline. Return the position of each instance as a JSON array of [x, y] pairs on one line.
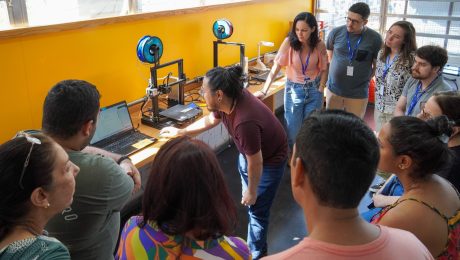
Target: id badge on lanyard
[[304, 67], [351, 54]]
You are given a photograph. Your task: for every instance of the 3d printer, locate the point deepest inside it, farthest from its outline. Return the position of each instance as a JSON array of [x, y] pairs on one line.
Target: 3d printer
[[150, 50]]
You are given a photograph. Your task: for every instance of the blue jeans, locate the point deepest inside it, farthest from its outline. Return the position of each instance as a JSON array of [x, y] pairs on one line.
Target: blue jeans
[[260, 211], [393, 188], [299, 101]]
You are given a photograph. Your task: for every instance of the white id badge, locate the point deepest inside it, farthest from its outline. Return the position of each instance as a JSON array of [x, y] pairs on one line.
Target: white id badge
[[382, 88], [350, 71]]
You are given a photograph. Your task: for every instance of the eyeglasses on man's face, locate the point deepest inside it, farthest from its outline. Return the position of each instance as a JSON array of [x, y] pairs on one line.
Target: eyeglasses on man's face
[[33, 141], [352, 21]]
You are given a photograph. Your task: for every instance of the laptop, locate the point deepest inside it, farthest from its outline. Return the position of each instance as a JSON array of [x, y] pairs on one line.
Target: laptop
[[115, 131], [182, 113], [262, 76]]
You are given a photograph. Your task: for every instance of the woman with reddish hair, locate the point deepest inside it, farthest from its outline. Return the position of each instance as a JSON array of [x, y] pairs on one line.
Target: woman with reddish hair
[[187, 210]]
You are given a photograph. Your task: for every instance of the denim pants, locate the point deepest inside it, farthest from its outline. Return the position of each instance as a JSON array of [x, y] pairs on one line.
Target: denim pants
[[260, 211], [299, 101]]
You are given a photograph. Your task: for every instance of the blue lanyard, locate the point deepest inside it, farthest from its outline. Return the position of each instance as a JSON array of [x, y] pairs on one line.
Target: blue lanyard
[[351, 53], [388, 64], [416, 97], [304, 67]]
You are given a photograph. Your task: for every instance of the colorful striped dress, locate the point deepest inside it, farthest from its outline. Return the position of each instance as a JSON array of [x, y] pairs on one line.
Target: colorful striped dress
[[150, 242]]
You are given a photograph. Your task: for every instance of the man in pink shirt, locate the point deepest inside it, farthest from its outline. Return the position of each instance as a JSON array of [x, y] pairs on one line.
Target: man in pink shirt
[[333, 163]]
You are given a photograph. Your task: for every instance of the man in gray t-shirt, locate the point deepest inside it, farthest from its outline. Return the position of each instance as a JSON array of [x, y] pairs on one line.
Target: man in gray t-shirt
[[90, 226], [352, 50], [425, 81]]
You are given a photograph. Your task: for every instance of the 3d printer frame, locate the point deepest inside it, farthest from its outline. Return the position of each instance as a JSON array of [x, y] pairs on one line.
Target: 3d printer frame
[[154, 91], [216, 53]]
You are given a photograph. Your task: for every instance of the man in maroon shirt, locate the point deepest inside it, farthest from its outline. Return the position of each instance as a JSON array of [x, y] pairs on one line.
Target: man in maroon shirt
[[259, 137]]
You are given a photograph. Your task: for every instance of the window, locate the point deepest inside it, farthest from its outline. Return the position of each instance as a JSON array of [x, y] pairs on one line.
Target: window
[[436, 22], [4, 18], [26, 13]]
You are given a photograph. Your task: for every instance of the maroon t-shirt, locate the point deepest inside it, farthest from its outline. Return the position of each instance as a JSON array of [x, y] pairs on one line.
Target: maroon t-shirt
[[254, 127]]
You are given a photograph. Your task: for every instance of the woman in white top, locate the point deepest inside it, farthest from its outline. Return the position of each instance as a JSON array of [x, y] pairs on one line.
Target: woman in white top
[[394, 62]]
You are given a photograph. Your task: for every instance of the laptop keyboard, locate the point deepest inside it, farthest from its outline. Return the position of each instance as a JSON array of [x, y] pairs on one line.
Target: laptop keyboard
[[124, 144]]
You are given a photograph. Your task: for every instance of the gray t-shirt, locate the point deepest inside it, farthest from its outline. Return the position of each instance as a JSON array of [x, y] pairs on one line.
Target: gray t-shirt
[[411, 86], [356, 86], [90, 227]]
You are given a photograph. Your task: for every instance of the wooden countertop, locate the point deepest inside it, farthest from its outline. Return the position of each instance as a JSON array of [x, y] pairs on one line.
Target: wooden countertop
[[147, 155]]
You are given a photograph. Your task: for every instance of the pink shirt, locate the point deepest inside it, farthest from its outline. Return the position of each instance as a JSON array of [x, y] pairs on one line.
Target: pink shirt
[[391, 244], [290, 59]]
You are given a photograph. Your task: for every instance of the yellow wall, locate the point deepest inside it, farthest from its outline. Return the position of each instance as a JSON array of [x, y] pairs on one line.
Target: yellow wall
[[106, 55]]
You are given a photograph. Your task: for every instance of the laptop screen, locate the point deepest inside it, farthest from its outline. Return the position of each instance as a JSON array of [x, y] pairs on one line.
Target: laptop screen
[[112, 120]]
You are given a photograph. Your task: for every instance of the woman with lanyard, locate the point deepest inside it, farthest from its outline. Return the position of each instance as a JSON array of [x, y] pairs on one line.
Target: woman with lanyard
[[305, 58], [394, 62]]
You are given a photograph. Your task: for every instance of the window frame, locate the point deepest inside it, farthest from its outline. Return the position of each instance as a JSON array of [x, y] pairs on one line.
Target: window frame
[[17, 10], [384, 15]]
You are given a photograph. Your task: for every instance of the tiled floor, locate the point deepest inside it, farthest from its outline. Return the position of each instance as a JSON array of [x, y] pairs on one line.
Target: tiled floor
[[287, 222]]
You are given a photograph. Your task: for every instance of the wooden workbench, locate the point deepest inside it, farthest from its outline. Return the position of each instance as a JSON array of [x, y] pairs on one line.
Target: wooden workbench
[[147, 155]]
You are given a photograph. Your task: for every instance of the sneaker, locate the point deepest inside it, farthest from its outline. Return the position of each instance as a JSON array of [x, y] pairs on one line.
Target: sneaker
[[376, 187]]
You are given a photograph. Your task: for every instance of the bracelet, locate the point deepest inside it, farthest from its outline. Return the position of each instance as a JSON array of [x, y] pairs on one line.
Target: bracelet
[[122, 158]]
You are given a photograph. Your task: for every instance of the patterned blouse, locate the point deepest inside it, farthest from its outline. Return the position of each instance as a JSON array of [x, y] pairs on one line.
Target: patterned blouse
[[452, 248], [150, 242], [392, 84], [39, 247]]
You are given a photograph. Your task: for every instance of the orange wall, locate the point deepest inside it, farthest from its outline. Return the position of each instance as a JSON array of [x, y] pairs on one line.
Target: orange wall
[[106, 55]]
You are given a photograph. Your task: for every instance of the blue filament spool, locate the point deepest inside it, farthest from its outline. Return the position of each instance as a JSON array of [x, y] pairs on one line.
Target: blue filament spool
[[222, 29], [149, 49]]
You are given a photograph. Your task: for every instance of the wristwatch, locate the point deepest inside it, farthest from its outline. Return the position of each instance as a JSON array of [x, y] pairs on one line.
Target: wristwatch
[[122, 158]]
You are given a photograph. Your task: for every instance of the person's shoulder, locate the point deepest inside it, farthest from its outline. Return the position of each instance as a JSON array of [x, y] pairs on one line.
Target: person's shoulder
[[54, 248], [240, 247], [411, 82], [337, 29], [373, 33], [132, 224], [305, 249], [443, 85], [398, 238], [94, 161], [90, 159], [321, 46]]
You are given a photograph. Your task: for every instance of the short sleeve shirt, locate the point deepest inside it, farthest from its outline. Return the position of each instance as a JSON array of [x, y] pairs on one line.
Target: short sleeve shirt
[[90, 227], [356, 86], [411, 88], [254, 127], [292, 60]]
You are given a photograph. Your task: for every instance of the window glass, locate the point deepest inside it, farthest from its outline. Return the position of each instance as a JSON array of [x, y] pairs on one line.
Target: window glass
[[4, 18], [421, 41], [456, 10], [43, 12], [453, 47], [429, 25], [163, 5], [418, 12], [46, 12], [430, 8]]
